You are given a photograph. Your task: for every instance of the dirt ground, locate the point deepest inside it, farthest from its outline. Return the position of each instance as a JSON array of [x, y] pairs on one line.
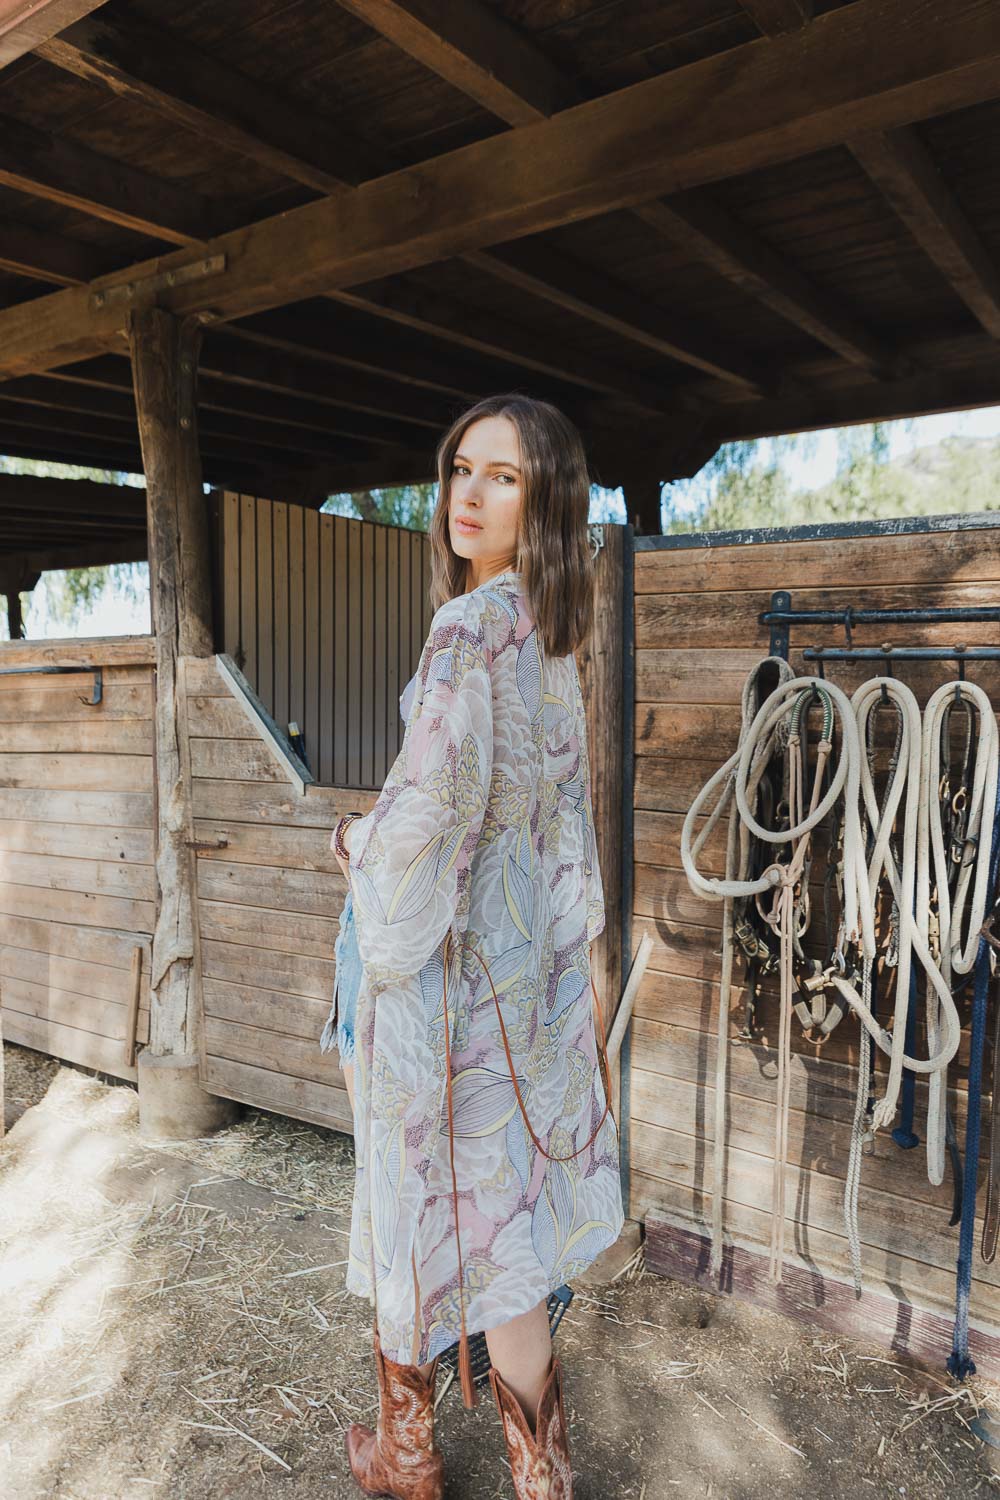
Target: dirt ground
[[175, 1324]]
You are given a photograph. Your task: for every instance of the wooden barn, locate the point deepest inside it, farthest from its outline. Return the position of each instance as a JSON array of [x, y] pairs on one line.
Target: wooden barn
[[265, 252]]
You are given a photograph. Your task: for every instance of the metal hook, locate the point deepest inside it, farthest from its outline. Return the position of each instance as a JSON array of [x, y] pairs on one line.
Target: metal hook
[[961, 673], [848, 621]]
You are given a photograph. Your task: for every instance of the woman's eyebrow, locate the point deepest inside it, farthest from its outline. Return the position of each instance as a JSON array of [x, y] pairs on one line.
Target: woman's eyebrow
[[494, 463]]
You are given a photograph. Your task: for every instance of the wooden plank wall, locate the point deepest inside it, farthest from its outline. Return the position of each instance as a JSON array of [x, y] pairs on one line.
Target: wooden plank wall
[[325, 616], [696, 637], [268, 903], [77, 877]]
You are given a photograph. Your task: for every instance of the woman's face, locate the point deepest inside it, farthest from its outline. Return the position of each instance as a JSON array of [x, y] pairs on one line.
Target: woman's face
[[486, 488]]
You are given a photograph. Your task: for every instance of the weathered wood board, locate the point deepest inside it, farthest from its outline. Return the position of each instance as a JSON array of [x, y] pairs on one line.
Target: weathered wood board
[[697, 636], [269, 891], [77, 881]]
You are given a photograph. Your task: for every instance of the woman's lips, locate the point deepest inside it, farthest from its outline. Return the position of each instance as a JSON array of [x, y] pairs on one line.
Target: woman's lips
[[468, 526]]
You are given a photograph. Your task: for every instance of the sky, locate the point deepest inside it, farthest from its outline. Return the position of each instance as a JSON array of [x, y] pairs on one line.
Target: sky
[[809, 468]]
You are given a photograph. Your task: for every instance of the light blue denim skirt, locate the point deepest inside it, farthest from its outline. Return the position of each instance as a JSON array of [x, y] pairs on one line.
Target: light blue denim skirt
[[339, 1028]]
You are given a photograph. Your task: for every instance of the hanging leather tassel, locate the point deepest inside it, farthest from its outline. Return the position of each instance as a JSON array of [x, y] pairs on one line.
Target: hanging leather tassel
[[470, 1399]]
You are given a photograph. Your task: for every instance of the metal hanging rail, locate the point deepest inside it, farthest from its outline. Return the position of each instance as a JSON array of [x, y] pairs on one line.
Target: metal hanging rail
[[781, 617], [98, 672]]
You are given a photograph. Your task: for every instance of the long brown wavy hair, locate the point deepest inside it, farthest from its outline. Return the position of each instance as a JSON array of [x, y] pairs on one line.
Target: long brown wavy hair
[[553, 552]]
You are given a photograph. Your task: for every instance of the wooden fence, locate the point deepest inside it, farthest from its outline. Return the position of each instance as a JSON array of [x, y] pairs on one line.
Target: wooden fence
[[269, 891], [696, 637], [77, 886], [325, 616]]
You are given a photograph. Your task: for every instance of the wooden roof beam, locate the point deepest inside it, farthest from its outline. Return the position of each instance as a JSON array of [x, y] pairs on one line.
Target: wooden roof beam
[[293, 374], [900, 166], [222, 467], [427, 312], [87, 555], [506, 72], [111, 395], [444, 42], [775, 17], [937, 391], [43, 166], [700, 226], [477, 51], [43, 255], [184, 85], [575, 287], [26, 24], [803, 93]]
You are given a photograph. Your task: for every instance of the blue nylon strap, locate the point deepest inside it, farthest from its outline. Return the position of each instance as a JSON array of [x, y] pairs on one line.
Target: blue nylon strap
[[960, 1362], [904, 1134]]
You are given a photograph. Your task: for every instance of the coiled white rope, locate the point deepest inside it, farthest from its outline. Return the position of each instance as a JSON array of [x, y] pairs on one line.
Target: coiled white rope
[[916, 771], [858, 916], [739, 777], [973, 875]]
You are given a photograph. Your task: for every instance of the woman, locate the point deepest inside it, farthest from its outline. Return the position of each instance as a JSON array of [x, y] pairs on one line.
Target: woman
[[487, 1159]]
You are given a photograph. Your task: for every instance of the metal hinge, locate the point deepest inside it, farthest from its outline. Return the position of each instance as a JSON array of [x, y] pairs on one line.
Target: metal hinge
[[139, 286]]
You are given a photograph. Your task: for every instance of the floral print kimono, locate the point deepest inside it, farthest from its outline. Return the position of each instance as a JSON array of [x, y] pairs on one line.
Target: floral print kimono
[[484, 830]]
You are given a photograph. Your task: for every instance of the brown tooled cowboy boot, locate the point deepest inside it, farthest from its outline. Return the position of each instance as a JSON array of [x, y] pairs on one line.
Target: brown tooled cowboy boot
[[399, 1458], [539, 1463]]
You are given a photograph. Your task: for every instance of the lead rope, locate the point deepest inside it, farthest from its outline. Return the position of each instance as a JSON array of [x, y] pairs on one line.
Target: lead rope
[[749, 706], [955, 958], [784, 917], [468, 1384], [738, 779]]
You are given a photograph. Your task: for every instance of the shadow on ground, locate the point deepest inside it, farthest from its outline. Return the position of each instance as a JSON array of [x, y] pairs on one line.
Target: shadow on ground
[[175, 1324]]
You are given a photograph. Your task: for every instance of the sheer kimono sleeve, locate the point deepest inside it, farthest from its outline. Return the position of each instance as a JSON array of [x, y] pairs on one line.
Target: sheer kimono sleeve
[[411, 854]]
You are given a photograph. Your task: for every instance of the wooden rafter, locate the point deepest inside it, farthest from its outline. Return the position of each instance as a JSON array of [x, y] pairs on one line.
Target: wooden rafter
[[900, 166], [917, 395], [803, 93], [477, 51], [112, 397], [26, 24], [165, 73], [45, 256], [427, 312], [777, 16], [84, 555], [576, 288], [186, 87], [61, 172], [700, 225], [445, 39]]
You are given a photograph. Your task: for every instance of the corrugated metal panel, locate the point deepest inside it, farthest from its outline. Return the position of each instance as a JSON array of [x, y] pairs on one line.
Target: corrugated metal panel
[[326, 617]]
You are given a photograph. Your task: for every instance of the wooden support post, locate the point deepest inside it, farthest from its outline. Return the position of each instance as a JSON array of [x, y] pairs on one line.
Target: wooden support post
[[15, 620], [164, 353], [642, 503], [12, 586]]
